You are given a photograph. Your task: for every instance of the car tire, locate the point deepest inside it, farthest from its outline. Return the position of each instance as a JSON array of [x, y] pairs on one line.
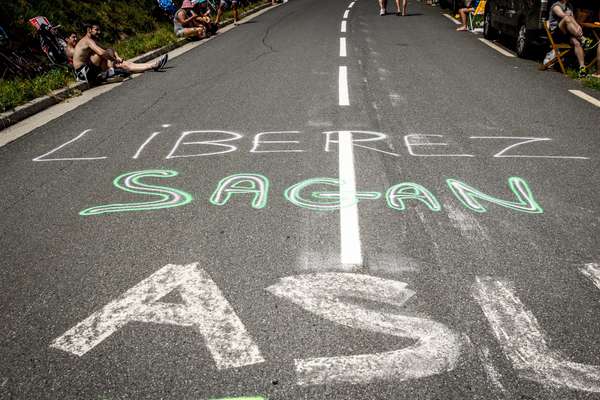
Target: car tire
[[488, 31], [522, 44]]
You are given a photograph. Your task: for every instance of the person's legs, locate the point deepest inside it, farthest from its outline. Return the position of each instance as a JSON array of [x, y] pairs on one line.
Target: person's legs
[[234, 6], [404, 7], [463, 17], [99, 62], [578, 51], [382, 7], [220, 12], [137, 67], [597, 73], [570, 26]]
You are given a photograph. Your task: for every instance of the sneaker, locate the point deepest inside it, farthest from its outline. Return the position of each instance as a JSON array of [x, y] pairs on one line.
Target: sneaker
[[549, 57], [382, 12], [582, 72], [586, 42], [161, 63]]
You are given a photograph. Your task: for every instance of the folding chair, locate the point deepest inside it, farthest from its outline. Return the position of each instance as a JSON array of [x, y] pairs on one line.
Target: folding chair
[[560, 50], [478, 11]]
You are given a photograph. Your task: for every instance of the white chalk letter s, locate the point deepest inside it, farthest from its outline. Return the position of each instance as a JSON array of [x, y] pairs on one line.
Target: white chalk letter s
[[521, 338], [204, 309], [436, 350]]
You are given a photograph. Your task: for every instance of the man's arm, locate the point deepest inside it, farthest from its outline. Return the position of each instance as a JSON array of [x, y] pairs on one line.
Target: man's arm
[[558, 11], [100, 51]]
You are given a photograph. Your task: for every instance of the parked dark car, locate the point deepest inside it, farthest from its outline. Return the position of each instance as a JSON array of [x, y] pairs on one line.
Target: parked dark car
[[453, 5], [521, 20]]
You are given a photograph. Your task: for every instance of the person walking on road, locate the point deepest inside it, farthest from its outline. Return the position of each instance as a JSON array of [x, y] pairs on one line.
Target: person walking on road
[[401, 11], [404, 7], [565, 28], [93, 64]]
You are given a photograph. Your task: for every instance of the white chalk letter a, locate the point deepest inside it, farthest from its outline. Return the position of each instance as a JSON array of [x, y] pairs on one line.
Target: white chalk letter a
[[204, 309]]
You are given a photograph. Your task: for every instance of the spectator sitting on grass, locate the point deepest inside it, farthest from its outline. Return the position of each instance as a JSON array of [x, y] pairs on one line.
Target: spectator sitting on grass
[[464, 12], [92, 63], [186, 23], [71, 41], [203, 16], [565, 28]]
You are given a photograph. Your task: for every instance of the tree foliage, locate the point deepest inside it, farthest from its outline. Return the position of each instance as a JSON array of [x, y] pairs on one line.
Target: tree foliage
[[118, 18]]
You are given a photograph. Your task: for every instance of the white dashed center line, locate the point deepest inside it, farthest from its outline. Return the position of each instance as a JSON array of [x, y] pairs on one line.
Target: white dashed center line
[[343, 27], [351, 4], [342, 47], [350, 250], [343, 86], [346, 13]]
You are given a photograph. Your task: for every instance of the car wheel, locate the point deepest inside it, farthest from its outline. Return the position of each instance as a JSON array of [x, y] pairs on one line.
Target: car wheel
[[522, 46], [488, 32]]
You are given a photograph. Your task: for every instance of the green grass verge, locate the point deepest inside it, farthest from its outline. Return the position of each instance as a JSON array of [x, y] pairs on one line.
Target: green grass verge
[[590, 81], [19, 91], [142, 43]]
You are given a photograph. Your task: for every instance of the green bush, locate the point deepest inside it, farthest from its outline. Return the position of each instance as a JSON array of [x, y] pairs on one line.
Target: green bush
[[118, 18]]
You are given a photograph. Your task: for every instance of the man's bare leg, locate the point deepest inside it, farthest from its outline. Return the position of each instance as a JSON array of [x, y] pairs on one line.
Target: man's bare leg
[[219, 14], [570, 26], [137, 67], [597, 73], [404, 7], [463, 17], [382, 6], [235, 12], [579, 53], [100, 62]]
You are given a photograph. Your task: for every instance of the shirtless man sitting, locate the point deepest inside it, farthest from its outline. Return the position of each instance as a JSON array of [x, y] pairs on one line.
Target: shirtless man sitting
[[71, 41], [92, 63]]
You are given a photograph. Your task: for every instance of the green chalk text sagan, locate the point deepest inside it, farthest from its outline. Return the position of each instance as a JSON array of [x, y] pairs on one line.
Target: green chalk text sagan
[[468, 196], [255, 184], [131, 182], [323, 200], [398, 194]]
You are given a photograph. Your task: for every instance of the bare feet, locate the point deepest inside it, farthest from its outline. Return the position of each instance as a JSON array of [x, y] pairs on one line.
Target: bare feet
[[461, 29]]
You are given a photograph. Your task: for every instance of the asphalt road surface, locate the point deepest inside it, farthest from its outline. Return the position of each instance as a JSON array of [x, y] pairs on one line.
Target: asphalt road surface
[[272, 218]]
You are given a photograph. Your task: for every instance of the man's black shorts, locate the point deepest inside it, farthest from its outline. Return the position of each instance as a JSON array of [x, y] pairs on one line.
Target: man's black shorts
[[88, 73]]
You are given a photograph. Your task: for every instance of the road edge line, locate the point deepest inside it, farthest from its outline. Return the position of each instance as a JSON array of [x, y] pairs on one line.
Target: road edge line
[[499, 49], [582, 95], [451, 18]]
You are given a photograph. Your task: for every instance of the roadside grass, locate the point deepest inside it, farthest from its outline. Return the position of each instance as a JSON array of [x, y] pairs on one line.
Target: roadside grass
[[590, 81], [144, 42], [15, 92]]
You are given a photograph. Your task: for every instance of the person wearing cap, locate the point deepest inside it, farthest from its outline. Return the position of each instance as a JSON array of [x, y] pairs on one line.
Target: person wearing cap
[[186, 24]]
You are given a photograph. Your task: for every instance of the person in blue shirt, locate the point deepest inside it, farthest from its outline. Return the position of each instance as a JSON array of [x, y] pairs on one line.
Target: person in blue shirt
[[464, 12]]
